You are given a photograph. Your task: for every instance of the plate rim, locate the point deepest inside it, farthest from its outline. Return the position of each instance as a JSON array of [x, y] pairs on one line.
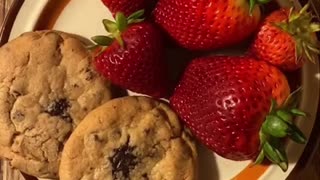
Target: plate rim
[[309, 150]]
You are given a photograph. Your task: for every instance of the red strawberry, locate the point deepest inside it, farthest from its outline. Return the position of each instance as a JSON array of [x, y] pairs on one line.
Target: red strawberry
[[285, 39], [225, 101], [127, 6], [207, 24], [135, 60]]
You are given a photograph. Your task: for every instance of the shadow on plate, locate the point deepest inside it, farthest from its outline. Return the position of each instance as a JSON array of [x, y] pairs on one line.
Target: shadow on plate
[[207, 164]]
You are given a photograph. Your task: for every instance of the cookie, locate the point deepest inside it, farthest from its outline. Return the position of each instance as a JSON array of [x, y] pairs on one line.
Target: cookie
[[132, 138], [47, 86]]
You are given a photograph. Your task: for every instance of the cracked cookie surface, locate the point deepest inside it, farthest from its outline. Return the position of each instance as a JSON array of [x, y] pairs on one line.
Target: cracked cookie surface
[[132, 138], [47, 86]]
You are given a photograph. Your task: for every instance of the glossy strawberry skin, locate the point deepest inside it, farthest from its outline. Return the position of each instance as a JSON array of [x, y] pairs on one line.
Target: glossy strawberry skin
[[138, 66], [206, 24], [274, 45], [224, 101], [128, 6]]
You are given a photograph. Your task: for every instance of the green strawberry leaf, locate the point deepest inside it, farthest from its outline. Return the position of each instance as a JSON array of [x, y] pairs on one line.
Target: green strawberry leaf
[[260, 158], [276, 155], [298, 112], [314, 49], [92, 47], [293, 99], [110, 26], [263, 138], [271, 153], [133, 21], [304, 10], [296, 135], [315, 27], [136, 15], [283, 166], [102, 40], [308, 54], [121, 22], [282, 155], [253, 3], [285, 116], [263, 1], [273, 106]]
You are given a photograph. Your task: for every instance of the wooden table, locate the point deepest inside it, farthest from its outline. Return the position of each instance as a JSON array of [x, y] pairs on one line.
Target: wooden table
[[6, 173], [308, 169]]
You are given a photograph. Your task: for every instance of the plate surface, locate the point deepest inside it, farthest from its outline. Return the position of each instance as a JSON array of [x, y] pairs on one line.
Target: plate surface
[[83, 17]]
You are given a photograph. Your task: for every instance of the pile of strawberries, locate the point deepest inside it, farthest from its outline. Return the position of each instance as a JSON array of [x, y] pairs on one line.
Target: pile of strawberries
[[238, 106]]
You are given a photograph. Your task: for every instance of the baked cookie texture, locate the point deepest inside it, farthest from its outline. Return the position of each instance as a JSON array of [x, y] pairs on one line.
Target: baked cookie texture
[[132, 138], [47, 86]]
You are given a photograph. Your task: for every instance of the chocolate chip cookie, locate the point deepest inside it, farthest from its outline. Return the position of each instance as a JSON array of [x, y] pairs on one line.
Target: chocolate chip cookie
[[132, 138], [47, 86]]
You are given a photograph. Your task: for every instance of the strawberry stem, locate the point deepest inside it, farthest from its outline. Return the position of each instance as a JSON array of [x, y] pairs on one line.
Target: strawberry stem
[[116, 28], [117, 36], [253, 3], [279, 125]]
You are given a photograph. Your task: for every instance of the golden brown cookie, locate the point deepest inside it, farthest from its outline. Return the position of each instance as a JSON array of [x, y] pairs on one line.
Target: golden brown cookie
[[132, 138], [47, 86]]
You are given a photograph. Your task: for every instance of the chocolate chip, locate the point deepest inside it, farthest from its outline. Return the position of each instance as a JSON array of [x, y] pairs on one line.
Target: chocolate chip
[[145, 176], [96, 137], [60, 108], [18, 116], [116, 134], [60, 147], [15, 94], [123, 160], [75, 85], [147, 131], [89, 74]]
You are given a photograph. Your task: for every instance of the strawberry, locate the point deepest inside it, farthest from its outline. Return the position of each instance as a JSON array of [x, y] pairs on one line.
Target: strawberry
[[225, 101], [285, 39], [207, 24], [132, 56], [127, 6]]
